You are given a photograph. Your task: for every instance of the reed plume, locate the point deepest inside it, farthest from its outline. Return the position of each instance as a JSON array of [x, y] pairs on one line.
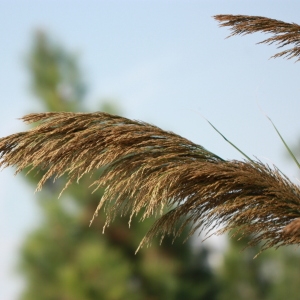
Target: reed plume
[[283, 34], [154, 172]]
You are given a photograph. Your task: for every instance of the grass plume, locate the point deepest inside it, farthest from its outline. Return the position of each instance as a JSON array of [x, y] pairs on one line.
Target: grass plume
[[149, 170], [283, 34]]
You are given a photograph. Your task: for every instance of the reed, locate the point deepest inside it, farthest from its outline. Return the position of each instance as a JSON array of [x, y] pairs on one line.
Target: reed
[[150, 171]]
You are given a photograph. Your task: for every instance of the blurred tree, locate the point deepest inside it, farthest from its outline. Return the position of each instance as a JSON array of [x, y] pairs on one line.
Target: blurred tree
[[66, 259], [242, 276], [272, 275]]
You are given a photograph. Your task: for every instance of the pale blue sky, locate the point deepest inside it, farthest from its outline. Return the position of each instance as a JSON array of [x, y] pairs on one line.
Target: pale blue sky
[[165, 62]]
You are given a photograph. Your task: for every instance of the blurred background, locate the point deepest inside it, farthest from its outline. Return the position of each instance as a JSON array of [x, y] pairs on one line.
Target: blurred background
[[163, 62]]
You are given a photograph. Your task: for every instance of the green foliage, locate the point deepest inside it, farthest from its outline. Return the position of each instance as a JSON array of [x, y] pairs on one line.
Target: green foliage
[[272, 275], [242, 276], [55, 74]]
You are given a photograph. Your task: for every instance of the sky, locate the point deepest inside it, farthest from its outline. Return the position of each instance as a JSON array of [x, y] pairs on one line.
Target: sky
[[164, 62]]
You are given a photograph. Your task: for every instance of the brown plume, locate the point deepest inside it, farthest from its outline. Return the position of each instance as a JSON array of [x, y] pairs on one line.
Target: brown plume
[[283, 33], [154, 172]]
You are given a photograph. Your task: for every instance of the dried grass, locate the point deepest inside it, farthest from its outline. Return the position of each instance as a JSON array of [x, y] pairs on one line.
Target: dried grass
[[151, 171], [283, 33]]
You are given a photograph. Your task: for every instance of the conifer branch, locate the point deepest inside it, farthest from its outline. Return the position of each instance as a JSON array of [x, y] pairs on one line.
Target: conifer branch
[[283, 34], [150, 171]]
